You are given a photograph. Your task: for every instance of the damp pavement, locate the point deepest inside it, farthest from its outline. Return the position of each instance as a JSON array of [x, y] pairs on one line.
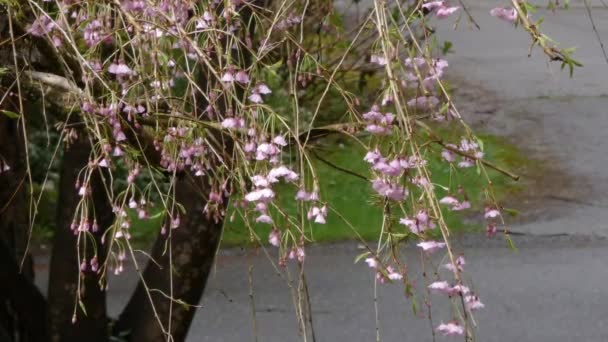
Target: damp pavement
[[551, 289]]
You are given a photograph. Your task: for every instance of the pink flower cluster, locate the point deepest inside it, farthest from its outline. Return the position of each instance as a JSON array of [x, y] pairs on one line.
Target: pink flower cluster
[[388, 183], [506, 14], [377, 122], [454, 204], [419, 222], [466, 146], [383, 274], [492, 217], [440, 8]]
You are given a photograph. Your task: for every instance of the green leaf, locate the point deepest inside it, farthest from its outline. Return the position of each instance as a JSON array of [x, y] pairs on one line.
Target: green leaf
[[447, 47], [361, 256], [81, 304], [511, 212], [511, 244], [10, 114], [336, 20]]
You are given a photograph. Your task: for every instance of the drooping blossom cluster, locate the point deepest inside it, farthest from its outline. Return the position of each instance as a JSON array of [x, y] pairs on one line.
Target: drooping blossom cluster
[[162, 45], [470, 149], [456, 288], [441, 8], [506, 14]]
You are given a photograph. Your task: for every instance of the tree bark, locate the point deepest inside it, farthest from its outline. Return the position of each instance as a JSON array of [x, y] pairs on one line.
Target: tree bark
[[187, 265], [15, 319], [65, 267]]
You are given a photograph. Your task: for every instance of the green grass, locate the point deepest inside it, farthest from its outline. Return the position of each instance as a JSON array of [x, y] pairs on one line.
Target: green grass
[[351, 196]]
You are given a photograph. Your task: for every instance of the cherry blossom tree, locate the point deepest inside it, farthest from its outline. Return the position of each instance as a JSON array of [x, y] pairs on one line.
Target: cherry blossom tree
[[202, 110]]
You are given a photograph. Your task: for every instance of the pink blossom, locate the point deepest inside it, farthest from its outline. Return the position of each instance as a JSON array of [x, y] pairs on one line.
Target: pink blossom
[[284, 172], [264, 219], [449, 200], [94, 264], [242, 77], [263, 89], [117, 151], [460, 262], [450, 329], [393, 274], [297, 253], [4, 167], [393, 168], [377, 129], [378, 123], [491, 213], [430, 246], [319, 214], [255, 98], [274, 238], [432, 5], [423, 102], [507, 14], [104, 163], [444, 12], [228, 77], [462, 206], [231, 123], [260, 181], [491, 230], [120, 69], [455, 204], [441, 286], [175, 222], [265, 194], [373, 157], [389, 190], [466, 162], [460, 289], [41, 26], [440, 7], [448, 155], [265, 150], [142, 214], [380, 60], [372, 262], [279, 140], [419, 223], [302, 195], [134, 5], [473, 303]]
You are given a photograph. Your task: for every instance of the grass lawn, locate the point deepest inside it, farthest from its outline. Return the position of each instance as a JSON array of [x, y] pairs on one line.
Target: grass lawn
[[351, 196]]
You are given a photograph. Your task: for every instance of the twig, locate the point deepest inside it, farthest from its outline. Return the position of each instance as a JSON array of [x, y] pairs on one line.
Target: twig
[[339, 168], [597, 34], [471, 19], [484, 162]]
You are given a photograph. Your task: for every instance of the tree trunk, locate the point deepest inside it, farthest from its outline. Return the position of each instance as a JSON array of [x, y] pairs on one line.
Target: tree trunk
[[65, 267], [15, 316], [193, 247]]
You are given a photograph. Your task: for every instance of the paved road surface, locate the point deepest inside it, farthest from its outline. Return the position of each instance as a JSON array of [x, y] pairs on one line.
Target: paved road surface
[[553, 289]]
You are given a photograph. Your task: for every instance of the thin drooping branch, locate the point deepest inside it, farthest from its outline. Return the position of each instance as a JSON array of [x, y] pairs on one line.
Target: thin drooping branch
[[23, 308], [194, 245], [65, 272]]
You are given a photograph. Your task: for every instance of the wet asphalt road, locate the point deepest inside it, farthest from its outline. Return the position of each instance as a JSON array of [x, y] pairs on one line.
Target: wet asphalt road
[[552, 289]]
